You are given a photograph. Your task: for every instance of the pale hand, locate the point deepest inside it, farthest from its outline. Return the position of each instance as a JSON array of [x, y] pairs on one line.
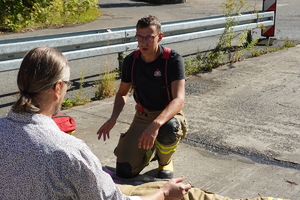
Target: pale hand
[[175, 189]]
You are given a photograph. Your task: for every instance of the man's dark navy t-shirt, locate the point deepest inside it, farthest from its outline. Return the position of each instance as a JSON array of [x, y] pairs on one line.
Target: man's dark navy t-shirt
[[149, 78]]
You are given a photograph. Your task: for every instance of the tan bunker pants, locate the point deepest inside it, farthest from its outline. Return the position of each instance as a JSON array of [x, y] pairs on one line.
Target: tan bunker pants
[[131, 160], [193, 194]]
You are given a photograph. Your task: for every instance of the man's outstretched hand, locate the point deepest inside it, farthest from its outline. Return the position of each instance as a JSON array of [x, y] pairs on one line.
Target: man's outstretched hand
[[105, 129]]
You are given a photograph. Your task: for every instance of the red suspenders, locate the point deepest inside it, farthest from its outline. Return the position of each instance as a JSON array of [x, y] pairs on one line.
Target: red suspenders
[[166, 56]]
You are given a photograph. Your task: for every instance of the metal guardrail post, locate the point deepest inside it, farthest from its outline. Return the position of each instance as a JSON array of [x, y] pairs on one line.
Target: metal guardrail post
[[121, 57], [249, 36]]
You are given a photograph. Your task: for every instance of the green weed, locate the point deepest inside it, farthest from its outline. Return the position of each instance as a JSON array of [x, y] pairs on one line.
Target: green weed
[[106, 86], [257, 52], [66, 104], [79, 98], [288, 43], [192, 67]]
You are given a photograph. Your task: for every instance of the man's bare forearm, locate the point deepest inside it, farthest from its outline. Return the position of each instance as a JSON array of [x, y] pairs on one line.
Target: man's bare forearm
[[120, 101], [170, 111]]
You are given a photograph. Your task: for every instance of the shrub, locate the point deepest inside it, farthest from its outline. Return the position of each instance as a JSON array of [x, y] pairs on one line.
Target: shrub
[[106, 86], [17, 15]]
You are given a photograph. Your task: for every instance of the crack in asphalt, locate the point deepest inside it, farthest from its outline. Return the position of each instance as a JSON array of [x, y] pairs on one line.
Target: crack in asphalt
[[252, 154]]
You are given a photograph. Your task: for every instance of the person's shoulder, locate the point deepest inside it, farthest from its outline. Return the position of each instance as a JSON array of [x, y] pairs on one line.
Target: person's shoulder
[[175, 56], [130, 55], [73, 142], [129, 58], [3, 119], [173, 53], [69, 146]]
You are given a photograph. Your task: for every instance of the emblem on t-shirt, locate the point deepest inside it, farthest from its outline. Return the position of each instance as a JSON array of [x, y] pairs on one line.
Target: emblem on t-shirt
[[157, 73]]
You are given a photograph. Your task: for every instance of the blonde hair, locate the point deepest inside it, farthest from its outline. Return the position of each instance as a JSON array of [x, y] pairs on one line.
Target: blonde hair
[[40, 69]]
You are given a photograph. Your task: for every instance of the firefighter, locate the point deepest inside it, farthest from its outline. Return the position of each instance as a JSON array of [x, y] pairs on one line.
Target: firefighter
[[157, 75]]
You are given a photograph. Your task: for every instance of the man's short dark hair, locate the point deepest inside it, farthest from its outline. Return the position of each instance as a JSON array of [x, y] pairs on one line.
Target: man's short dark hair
[[147, 21]]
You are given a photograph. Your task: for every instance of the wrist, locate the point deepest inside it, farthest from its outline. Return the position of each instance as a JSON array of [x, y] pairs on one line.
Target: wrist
[[113, 118], [157, 124], [164, 192]]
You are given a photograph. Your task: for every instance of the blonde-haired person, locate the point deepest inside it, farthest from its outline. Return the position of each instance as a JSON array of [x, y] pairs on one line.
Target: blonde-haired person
[[37, 159]]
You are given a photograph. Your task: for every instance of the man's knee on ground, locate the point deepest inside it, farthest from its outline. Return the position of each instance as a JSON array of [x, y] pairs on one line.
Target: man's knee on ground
[[167, 134], [124, 170]]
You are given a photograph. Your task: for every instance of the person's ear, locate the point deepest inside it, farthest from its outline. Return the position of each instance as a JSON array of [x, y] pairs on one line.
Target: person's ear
[[160, 36], [57, 88]]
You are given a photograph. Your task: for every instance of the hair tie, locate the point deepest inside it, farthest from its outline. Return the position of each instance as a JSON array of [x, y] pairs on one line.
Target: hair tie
[[24, 92]]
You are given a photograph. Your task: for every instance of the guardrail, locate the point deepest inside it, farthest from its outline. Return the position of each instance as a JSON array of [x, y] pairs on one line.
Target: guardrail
[[108, 41]]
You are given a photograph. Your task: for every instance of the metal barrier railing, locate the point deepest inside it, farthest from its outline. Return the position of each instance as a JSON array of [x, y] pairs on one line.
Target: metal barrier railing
[[107, 41]]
